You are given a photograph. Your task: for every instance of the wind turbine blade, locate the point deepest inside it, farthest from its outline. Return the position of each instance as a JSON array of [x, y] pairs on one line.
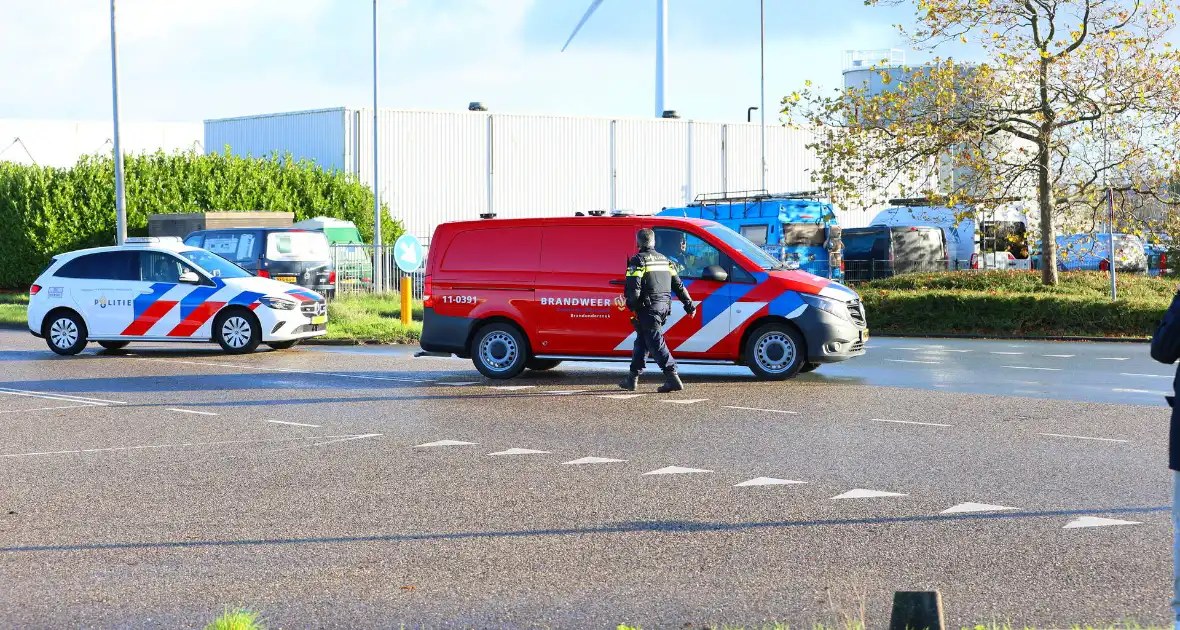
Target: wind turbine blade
[[589, 12]]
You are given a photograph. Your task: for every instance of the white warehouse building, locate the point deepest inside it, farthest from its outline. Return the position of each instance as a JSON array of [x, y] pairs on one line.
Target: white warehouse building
[[436, 167]]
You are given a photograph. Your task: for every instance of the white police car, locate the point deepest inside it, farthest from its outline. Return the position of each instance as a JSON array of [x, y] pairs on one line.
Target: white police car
[[152, 289]]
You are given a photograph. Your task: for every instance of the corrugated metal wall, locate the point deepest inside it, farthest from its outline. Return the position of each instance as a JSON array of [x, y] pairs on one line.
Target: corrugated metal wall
[[434, 166]]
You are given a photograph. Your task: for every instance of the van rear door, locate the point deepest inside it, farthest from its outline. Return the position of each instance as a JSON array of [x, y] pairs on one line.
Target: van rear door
[[580, 298]]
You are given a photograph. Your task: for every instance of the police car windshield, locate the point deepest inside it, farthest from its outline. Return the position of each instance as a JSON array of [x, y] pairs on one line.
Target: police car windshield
[[215, 265], [745, 247]]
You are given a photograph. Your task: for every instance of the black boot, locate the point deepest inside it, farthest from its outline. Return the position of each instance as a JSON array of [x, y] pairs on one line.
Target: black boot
[[630, 383], [671, 383]]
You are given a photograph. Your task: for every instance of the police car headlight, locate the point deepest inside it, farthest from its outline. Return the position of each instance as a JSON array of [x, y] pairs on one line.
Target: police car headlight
[[279, 304], [839, 309]]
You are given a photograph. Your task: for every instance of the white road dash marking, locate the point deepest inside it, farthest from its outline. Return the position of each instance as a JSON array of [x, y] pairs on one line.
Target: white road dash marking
[[49, 408], [566, 392], [766, 481], [198, 413], [975, 507], [183, 444], [925, 424], [518, 451], [684, 401], [592, 460], [1082, 437], [1059, 356], [446, 443], [1148, 375], [70, 397], [861, 493], [1141, 391], [909, 361], [1005, 353], [793, 413], [50, 397], [1029, 367], [1095, 521], [622, 396], [905, 348], [1113, 358], [513, 388], [676, 470], [240, 366], [295, 424], [347, 439]]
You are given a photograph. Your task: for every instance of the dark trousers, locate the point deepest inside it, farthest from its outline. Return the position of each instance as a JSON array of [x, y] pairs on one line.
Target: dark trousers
[[650, 340]]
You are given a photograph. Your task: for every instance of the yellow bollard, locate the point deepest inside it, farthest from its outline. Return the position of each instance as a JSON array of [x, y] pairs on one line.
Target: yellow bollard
[[407, 293]]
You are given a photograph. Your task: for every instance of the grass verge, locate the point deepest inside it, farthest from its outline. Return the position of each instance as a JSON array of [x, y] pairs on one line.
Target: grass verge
[[373, 318], [12, 309], [1016, 303]]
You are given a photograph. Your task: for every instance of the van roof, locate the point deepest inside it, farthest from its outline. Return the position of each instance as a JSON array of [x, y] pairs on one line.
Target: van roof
[[576, 220]]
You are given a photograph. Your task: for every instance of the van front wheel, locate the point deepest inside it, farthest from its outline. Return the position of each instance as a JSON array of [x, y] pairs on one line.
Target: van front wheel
[[775, 352], [499, 351]]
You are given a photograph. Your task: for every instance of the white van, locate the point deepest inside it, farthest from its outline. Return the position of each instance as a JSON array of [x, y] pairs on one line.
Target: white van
[[992, 239]]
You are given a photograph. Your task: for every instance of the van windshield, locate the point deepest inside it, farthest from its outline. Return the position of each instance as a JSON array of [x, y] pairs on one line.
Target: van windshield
[[304, 246], [745, 247], [214, 265]]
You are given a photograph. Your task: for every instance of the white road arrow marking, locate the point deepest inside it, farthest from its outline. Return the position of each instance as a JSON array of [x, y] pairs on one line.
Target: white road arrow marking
[[446, 443], [348, 439], [975, 507], [518, 451], [1096, 521], [766, 481], [925, 424], [793, 413], [676, 470], [592, 460], [861, 493]]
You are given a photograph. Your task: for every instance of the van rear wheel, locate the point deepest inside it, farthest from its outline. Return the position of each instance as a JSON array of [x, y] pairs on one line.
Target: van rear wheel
[[775, 352], [499, 351]]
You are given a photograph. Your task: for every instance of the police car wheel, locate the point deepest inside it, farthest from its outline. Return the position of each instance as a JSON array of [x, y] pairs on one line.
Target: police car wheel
[[65, 333], [237, 332], [283, 345], [540, 365], [499, 351], [775, 352]]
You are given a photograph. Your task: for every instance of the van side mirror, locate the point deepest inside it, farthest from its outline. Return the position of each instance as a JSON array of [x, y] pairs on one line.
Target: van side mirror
[[190, 277], [714, 273]]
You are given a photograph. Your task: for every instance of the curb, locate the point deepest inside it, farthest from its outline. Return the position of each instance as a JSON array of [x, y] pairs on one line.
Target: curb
[[1013, 337]]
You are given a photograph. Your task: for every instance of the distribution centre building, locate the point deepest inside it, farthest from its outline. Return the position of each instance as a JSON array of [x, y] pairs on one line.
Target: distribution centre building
[[437, 166]]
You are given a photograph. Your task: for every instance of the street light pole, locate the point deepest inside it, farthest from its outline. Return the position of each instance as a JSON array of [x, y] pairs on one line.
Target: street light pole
[[378, 259], [1114, 287], [120, 192], [762, 109]]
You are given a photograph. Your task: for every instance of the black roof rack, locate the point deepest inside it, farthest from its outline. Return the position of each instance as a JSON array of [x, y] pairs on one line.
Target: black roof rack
[[750, 198], [941, 201]]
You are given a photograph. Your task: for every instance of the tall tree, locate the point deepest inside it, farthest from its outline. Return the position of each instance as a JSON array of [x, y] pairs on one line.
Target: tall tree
[[1069, 96]]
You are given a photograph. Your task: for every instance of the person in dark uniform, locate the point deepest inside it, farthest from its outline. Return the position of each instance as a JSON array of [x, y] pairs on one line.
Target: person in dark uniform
[[1165, 348], [651, 278]]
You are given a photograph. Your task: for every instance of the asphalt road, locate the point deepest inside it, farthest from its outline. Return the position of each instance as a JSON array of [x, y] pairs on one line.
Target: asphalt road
[[356, 488]]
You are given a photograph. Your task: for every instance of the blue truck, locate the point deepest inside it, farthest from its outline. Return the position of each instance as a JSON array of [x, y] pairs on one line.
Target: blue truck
[[796, 228]]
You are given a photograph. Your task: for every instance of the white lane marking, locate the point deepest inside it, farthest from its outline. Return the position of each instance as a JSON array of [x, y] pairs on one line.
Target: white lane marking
[[720, 327], [1141, 391], [622, 396], [1005, 353], [1113, 358], [766, 481], [793, 413], [676, 470], [684, 401], [1082, 437], [925, 424], [70, 397], [446, 443], [286, 370], [295, 424], [183, 444], [906, 348], [1060, 356], [1149, 375], [975, 507], [565, 392], [592, 460], [50, 397], [908, 361], [1096, 521], [198, 413], [861, 493], [459, 384], [348, 439], [1029, 367], [50, 408], [513, 388], [518, 451]]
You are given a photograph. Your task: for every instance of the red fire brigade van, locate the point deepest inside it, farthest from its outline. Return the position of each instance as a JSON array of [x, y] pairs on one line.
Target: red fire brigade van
[[516, 294]]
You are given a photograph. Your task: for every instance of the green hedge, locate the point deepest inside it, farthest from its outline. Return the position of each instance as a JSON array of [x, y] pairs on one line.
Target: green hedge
[[1015, 303], [45, 211]]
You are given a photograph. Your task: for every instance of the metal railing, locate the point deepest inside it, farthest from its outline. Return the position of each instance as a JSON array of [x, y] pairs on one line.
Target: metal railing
[[354, 271]]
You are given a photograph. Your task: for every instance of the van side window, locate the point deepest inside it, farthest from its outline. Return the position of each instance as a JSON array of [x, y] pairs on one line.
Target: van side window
[[194, 240], [234, 246], [103, 266], [689, 251], [756, 234], [161, 267]]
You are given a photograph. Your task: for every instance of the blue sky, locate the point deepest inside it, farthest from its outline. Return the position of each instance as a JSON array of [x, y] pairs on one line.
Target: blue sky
[[188, 60]]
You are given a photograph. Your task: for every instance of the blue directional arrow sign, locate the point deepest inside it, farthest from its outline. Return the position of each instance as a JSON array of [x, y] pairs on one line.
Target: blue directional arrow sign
[[407, 253]]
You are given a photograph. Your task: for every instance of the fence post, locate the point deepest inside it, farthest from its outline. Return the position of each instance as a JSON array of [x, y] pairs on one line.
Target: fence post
[[407, 293]]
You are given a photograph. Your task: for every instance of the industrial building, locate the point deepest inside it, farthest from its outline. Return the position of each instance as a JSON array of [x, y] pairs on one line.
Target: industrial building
[[437, 166]]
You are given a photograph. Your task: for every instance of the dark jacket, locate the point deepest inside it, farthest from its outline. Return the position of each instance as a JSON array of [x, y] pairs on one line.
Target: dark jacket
[[651, 277], [1165, 348]]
